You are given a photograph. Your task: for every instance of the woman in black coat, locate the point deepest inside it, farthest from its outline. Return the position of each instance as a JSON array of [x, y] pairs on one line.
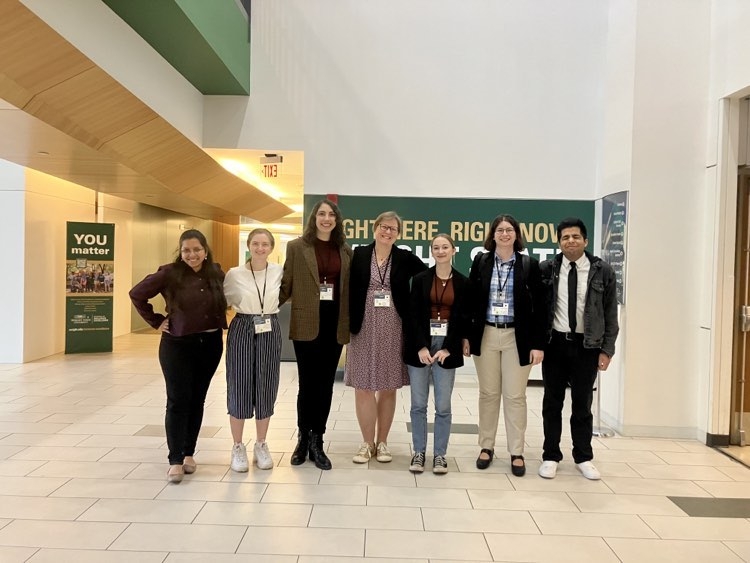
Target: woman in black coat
[[433, 349], [378, 306], [507, 336]]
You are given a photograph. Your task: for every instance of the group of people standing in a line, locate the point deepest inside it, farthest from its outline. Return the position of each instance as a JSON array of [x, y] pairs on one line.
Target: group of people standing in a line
[[404, 324]]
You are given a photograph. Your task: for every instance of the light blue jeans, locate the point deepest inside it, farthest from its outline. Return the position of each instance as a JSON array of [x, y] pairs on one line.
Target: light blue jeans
[[419, 380]]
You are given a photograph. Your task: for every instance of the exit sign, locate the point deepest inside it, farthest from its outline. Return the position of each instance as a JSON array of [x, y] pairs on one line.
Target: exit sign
[[270, 170]]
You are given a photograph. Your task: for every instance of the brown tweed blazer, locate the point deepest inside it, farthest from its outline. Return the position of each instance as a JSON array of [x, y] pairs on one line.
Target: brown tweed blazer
[[301, 284]]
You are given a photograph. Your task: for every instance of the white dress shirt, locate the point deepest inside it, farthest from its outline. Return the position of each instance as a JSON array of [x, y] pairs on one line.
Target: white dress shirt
[[561, 323]]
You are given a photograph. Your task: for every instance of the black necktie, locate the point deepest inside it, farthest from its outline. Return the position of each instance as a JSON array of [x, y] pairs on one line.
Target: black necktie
[[572, 295]]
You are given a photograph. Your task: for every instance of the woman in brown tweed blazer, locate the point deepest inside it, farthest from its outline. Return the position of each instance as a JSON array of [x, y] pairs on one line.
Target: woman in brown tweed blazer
[[316, 279]]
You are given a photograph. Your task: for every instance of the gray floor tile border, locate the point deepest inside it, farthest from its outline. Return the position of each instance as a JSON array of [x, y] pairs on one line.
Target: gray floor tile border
[[713, 507], [455, 428]]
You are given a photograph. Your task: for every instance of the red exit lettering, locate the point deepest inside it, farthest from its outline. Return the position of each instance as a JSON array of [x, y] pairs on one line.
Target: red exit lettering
[[270, 170]]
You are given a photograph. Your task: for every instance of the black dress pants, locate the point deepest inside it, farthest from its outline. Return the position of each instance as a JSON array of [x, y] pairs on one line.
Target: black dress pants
[[567, 362], [188, 363], [317, 361]]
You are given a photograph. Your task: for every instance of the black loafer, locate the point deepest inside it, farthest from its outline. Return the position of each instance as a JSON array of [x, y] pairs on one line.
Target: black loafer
[[518, 470], [485, 463]]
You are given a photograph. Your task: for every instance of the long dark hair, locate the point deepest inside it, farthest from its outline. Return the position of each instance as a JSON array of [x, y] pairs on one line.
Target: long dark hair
[[210, 270], [489, 241], [311, 229]]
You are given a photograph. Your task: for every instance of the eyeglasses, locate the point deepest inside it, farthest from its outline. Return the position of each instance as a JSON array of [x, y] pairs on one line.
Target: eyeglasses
[[388, 228], [507, 231]]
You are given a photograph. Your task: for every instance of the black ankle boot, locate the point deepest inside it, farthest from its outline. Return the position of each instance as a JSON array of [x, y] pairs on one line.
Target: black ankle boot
[[317, 454], [300, 452]]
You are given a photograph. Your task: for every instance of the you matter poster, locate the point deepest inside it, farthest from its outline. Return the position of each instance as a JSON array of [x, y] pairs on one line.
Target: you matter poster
[[89, 286]]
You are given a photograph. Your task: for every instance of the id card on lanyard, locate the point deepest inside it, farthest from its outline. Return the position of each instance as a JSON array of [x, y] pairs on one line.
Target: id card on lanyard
[[326, 292], [262, 324], [500, 305], [438, 327], [382, 296]]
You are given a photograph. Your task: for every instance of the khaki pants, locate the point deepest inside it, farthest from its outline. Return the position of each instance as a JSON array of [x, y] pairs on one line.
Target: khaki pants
[[500, 375]]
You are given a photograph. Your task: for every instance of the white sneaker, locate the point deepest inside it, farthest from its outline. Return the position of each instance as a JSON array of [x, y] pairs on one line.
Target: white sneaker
[[239, 458], [589, 470], [383, 453], [364, 454], [261, 456], [548, 469]]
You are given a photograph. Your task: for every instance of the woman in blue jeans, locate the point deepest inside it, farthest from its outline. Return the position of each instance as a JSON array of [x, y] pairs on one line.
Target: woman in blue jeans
[[433, 349]]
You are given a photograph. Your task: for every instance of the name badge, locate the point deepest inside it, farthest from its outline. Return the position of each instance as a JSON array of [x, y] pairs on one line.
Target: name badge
[[262, 324], [498, 308], [382, 298], [438, 327], [326, 292]]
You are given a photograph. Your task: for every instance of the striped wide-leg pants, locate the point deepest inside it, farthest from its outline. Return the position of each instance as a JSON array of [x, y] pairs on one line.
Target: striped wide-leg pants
[[253, 366]]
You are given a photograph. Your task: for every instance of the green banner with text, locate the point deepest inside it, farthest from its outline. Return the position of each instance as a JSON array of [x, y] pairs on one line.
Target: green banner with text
[[466, 220], [89, 283]]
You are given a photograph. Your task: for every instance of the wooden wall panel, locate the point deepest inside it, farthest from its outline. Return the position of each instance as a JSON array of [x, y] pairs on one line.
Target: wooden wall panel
[[225, 244]]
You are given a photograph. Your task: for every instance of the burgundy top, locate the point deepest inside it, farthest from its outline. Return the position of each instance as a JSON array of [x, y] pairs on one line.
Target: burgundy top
[[441, 298], [329, 263], [199, 315]]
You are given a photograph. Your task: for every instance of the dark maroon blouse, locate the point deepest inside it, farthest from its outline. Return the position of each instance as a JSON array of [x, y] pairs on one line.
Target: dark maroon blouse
[[329, 263], [198, 310]]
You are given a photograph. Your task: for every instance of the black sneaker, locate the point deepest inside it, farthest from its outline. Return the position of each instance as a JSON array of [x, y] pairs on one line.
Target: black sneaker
[[439, 464], [417, 463]]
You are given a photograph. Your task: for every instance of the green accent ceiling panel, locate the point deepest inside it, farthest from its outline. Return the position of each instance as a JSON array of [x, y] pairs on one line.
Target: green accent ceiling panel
[[207, 41]]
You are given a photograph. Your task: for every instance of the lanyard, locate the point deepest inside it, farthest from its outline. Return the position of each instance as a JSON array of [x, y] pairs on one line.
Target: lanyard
[[383, 272], [265, 278], [440, 297], [511, 264]]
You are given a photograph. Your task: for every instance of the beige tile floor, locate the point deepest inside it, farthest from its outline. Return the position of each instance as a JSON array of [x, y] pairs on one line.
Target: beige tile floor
[[83, 458]]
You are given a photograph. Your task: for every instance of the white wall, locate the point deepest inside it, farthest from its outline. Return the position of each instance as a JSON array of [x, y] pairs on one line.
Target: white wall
[[668, 176], [470, 98], [12, 234]]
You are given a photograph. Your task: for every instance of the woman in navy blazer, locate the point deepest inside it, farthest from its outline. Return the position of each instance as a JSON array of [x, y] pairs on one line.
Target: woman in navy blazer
[[433, 349]]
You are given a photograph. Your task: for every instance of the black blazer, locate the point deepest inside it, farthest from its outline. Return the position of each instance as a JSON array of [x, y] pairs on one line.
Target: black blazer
[[528, 304], [404, 265], [417, 331]]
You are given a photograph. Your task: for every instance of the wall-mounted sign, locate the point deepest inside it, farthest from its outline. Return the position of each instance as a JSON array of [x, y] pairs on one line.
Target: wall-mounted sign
[[614, 227], [465, 220]]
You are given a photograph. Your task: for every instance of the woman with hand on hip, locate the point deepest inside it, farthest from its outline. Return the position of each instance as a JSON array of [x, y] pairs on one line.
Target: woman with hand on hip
[[191, 340], [316, 279], [379, 300], [253, 348], [433, 348], [506, 336]]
